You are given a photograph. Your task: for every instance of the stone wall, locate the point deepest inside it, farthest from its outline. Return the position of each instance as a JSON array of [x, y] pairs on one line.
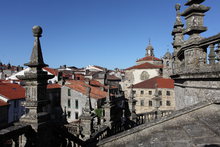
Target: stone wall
[[189, 92]]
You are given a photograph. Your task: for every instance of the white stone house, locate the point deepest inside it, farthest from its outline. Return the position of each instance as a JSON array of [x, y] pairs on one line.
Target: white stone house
[[144, 93], [13, 94], [73, 98]]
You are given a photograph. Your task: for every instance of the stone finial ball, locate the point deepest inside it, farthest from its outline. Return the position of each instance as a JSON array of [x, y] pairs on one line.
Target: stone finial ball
[[37, 30], [177, 6]]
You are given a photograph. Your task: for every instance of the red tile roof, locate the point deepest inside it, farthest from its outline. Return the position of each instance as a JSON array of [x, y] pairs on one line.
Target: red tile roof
[[113, 77], [151, 83], [3, 103], [145, 66], [96, 83], [12, 91], [53, 86], [51, 70], [80, 86], [149, 58]]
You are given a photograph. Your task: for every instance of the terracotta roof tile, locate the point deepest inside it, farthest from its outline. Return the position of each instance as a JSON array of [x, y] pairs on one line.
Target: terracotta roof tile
[[96, 83], [3, 103], [145, 66], [51, 70], [113, 77], [161, 83], [12, 91], [53, 86], [149, 58], [80, 86]]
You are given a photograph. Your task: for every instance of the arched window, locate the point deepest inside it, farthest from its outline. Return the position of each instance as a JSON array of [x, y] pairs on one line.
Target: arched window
[[167, 63]]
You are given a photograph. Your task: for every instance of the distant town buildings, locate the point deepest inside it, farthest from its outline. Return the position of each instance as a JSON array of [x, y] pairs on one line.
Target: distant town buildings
[[148, 72], [7, 70], [87, 106], [144, 93], [74, 96]]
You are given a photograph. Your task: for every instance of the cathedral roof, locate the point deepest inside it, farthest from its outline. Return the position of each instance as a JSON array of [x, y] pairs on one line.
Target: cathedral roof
[[145, 66], [159, 81], [148, 58]]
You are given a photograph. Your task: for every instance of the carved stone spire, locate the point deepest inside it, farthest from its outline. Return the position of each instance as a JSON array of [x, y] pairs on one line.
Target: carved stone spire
[[88, 106], [87, 117], [36, 102], [36, 56], [132, 103], [177, 30], [194, 16], [107, 108], [36, 85], [108, 95]]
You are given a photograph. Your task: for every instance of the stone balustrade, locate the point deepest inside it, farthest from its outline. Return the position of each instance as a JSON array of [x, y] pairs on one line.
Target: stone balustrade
[[206, 59], [152, 116], [15, 136]]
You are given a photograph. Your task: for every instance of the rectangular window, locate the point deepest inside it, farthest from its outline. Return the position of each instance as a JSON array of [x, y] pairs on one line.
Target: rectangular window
[[168, 93], [15, 104], [68, 103], [68, 114], [150, 92], [159, 92], [76, 115], [150, 104], [168, 103], [69, 92], [161, 103], [134, 92], [142, 92], [142, 102], [76, 104]]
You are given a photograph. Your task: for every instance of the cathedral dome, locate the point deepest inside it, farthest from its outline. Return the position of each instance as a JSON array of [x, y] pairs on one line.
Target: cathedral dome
[[149, 47]]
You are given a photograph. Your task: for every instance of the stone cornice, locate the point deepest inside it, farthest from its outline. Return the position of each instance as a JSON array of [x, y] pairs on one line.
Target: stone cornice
[[211, 40], [190, 2], [195, 8]]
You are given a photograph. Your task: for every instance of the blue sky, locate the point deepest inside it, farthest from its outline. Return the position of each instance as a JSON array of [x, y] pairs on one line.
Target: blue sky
[[109, 33]]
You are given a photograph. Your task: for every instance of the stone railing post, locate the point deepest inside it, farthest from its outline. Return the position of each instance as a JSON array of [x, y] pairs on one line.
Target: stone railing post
[[212, 55]]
